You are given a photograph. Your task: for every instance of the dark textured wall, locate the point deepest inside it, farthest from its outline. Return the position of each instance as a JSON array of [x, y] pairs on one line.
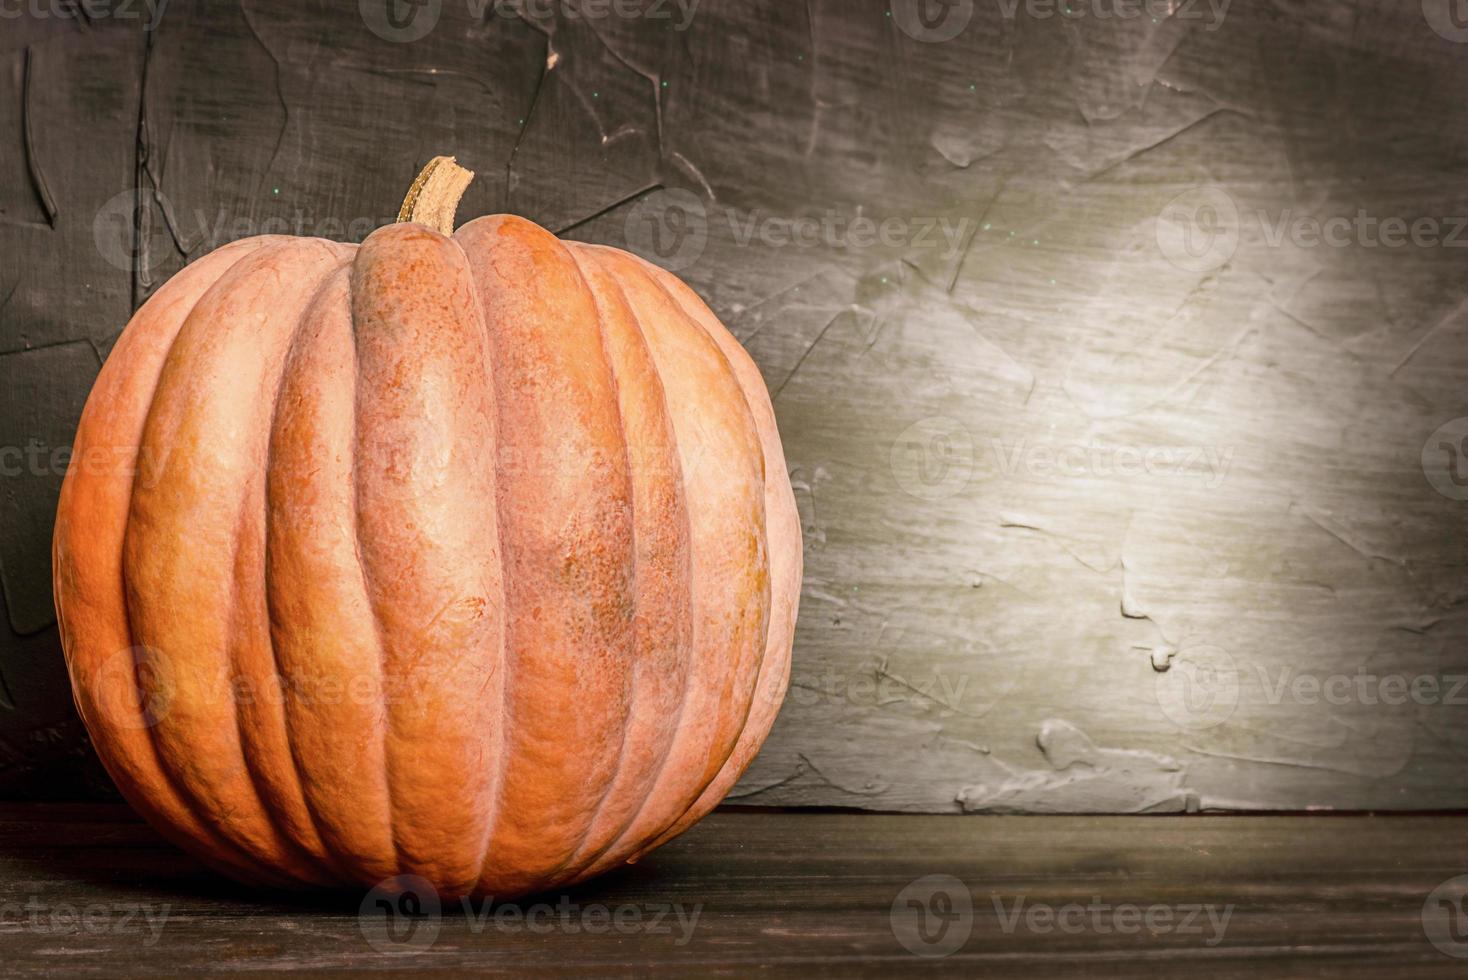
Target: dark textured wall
[[1119, 354]]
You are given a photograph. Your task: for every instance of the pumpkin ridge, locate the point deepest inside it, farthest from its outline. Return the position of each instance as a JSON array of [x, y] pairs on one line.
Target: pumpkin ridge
[[563, 500], [373, 616], [679, 351], [354, 498], [289, 795], [337, 863], [764, 627], [200, 830], [637, 573], [494, 518], [769, 687], [763, 535], [150, 555], [368, 585], [166, 770], [322, 629], [583, 254], [423, 408]]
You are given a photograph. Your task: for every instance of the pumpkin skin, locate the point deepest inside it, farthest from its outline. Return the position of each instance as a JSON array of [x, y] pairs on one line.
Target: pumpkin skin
[[471, 557]]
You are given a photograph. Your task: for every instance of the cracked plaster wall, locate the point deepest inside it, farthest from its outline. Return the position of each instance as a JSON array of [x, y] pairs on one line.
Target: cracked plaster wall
[[1009, 605]]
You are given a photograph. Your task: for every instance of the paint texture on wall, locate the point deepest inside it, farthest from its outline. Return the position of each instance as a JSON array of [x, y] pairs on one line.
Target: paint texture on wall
[[1120, 350]]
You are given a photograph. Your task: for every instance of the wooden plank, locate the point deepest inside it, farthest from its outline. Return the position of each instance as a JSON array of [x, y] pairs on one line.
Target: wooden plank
[[810, 893]]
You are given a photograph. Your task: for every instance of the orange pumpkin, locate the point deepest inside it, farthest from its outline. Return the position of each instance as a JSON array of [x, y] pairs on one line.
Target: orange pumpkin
[[470, 555]]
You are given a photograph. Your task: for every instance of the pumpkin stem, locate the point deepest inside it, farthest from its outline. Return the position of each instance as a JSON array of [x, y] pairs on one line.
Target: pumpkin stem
[[434, 197]]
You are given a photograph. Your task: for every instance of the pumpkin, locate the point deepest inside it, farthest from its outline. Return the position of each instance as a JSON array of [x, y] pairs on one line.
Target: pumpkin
[[469, 555]]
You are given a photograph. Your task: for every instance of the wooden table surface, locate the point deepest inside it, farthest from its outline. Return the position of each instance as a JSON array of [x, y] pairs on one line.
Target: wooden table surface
[[88, 890]]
